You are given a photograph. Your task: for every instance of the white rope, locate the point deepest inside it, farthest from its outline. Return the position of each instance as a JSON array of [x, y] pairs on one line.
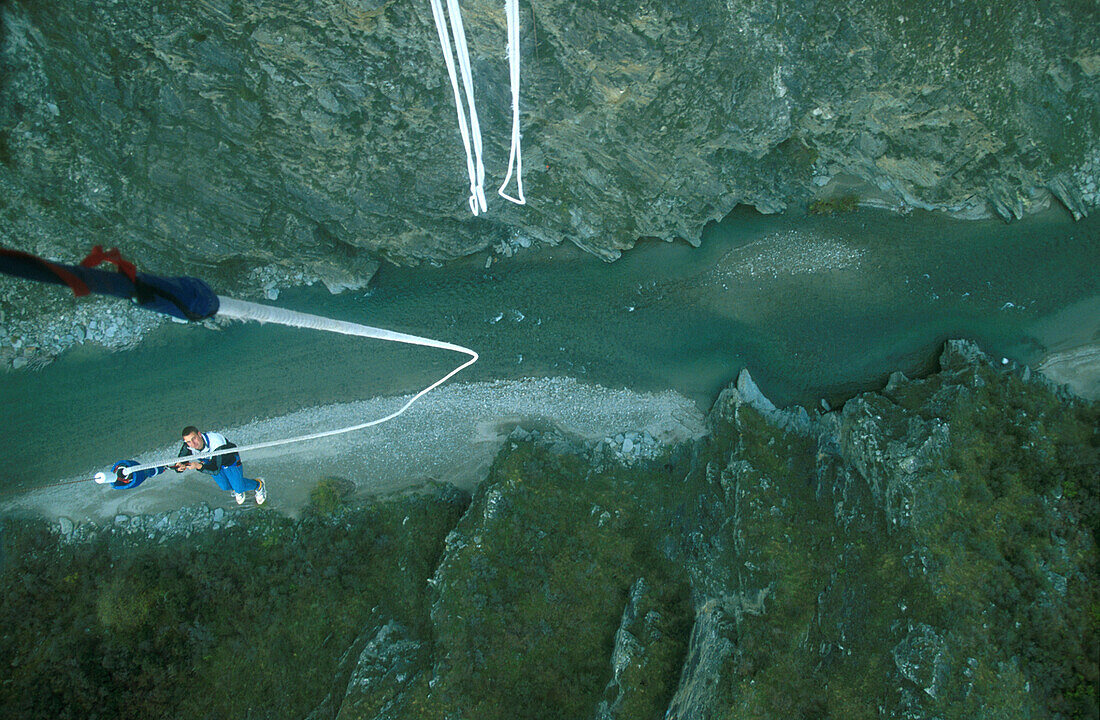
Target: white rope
[[515, 156], [242, 310], [474, 165], [459, 34]]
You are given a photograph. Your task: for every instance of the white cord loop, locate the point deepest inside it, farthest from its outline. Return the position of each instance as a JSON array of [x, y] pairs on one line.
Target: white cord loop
[[242, 310], [474, 165], [515, 156], [471, 131]]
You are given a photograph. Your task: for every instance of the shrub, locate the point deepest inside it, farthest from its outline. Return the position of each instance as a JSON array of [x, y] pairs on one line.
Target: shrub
[[328, 495], [834, 205]]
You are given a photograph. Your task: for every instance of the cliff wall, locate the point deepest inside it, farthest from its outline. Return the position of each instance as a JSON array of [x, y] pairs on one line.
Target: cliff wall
[[925, 551], [314, 137]]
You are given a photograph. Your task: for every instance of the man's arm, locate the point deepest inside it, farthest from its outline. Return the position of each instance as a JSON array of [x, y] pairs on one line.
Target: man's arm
[[184, 464]]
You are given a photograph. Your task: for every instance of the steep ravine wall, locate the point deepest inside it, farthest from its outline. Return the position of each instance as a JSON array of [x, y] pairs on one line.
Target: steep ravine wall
[[925, 551], [315, 136]]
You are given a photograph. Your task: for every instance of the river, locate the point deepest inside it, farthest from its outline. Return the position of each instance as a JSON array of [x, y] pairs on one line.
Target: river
[[816, 308]]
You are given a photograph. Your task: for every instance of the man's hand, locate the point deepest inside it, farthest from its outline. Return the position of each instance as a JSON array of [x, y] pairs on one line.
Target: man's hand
[[180, 467]]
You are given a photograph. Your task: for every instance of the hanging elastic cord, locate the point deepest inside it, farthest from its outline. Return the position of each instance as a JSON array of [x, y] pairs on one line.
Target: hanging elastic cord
[[241, 310], [511, 10], [463, 53], [474, 165]]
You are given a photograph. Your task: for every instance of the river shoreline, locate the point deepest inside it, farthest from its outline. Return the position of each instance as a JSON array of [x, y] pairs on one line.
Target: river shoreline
[[819, 309], [50, 322], [452, 436], [453, 439]]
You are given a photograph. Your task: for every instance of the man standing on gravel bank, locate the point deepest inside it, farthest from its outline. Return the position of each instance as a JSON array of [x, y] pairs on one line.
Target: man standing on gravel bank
[[227, 469]]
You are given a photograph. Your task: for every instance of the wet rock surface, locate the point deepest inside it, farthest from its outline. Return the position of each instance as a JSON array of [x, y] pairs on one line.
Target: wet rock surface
[[158, 527]]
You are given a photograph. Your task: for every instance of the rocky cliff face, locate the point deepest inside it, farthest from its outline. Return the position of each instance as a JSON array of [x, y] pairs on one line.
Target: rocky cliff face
[[311, 138], [926, 551], [896, 556]]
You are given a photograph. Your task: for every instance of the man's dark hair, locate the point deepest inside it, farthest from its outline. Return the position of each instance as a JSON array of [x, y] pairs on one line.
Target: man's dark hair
[[190, 430]]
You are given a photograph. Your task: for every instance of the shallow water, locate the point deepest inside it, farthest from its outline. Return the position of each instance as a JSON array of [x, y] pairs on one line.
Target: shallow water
[[815, 307]]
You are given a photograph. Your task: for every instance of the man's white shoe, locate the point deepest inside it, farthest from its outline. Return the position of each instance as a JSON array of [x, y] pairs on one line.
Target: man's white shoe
[[239, 497], [261, 492]]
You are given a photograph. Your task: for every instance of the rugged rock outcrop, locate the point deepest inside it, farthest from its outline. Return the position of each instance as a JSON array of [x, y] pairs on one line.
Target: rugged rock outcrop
[[295, 137], [924, 551]]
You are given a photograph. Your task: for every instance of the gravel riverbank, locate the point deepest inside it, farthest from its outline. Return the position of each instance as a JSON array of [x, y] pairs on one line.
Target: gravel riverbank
[[451, 435]]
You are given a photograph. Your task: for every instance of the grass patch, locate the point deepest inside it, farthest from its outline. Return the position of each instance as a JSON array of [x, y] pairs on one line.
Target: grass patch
[[328, 496]]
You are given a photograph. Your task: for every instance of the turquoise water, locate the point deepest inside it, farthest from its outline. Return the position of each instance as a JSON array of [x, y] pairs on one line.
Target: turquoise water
[[815, 307]]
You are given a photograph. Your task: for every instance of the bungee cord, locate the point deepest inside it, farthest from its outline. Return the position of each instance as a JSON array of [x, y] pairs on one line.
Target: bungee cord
[[474, 165], [515, 155], [471, 130], [244, 311], [191, 299]]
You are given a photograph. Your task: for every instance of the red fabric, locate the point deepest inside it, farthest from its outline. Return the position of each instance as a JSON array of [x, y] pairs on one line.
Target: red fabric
[[76, 284], [99, 255]]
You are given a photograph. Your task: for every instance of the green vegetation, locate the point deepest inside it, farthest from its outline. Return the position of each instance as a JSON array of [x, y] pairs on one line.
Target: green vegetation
[[535, 590], [1015, 552], [786, 543], [5, 150], [813, 646], [834, 205], [328, 495], [246, 621], [972, 593]]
